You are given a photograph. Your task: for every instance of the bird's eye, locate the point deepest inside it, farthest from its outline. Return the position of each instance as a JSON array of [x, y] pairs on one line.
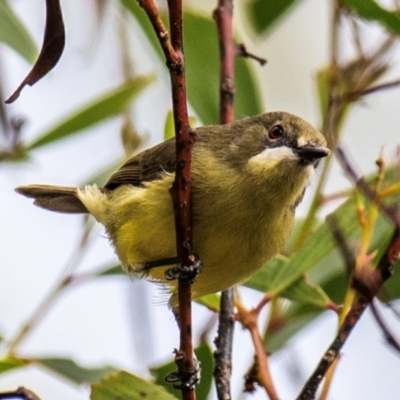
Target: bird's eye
[[275, 132]]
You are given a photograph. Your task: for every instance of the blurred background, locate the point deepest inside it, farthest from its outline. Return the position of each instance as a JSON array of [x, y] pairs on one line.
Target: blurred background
[[125, 322]]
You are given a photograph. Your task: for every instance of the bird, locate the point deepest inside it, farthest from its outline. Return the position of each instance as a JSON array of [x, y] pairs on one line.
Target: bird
[[247, 178]]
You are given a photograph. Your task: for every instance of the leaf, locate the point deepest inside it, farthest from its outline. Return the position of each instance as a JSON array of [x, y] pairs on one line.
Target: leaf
[[205, 357], [113, 270], [126, 386], [300, 291], [265, 13], [52, 47], [372, 11], [211, 301], [202, 66], [14, 34], [69, 369], [169, 126], [90, 114], [7, 364]]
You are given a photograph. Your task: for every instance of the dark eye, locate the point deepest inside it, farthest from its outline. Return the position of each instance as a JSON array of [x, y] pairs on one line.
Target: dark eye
[[275, 132]]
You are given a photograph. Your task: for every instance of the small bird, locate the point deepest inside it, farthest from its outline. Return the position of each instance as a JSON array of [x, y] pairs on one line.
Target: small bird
[[247, 179]]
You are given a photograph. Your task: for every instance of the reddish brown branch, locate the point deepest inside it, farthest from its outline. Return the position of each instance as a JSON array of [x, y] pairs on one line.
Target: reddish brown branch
[[223, 16], [185, 138]]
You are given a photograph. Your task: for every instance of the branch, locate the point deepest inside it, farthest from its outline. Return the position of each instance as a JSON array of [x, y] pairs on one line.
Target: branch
[[180, 191], [260, 372], [223, 16], [20, 393]]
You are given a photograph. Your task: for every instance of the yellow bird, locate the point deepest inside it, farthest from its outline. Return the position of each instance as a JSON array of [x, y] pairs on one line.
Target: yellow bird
[[247, 179]]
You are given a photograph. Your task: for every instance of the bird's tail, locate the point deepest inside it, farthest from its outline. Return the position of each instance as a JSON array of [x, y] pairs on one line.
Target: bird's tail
[[55, 198]]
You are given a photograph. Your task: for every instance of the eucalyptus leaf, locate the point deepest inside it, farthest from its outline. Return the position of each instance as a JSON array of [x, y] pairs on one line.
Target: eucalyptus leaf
[[70, 370], [373, 11], [265, 13], [94, 112], [14, 34], [126, 386], [7, 364], [300, 291]]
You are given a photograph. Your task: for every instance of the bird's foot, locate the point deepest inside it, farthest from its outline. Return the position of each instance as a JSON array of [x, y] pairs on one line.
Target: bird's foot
[[187, 274], [189, 378]]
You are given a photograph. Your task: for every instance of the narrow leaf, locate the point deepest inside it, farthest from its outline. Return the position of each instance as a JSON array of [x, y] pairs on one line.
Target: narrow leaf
[[14, 34], [372, 11], [126, 386], [7, 364], [265, 13], [300, 291], [52, 47], [90, 114], [69, 369]]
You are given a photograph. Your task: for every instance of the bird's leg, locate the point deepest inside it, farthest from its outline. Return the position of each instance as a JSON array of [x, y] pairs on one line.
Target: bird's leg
[[186, 273], [190, 378]]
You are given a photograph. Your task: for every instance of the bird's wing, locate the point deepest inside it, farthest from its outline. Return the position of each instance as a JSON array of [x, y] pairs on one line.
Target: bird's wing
[[145, 166]]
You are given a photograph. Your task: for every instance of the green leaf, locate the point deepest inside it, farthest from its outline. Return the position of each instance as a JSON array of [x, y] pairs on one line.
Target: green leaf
[[321, 247], [265, 13], [7, 364], [126, 386], [113, 270], [300, 291], [69, 369], [202, 66], [205, 357], [372, 11], [14, 34], [90, 114], [169, 126], [211, 301]]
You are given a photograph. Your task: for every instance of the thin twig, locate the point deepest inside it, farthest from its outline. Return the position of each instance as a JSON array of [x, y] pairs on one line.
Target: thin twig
[[392, 341], [373, 89], [249, 320], [241, 51]]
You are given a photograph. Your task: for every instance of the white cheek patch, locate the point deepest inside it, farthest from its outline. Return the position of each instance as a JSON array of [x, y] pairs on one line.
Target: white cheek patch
[[274, 155]]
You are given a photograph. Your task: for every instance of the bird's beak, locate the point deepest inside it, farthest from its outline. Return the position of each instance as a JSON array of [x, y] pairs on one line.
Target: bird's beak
[[311, 154]]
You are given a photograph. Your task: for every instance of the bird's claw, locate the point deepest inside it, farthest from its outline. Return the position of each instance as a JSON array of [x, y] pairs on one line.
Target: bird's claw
[[186, 273], [188, 379]]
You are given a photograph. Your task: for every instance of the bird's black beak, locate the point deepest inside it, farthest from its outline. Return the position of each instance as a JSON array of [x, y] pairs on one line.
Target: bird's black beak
[[311, 154]]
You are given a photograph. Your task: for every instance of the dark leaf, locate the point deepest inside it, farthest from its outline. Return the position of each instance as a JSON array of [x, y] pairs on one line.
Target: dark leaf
[[52, 47]]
